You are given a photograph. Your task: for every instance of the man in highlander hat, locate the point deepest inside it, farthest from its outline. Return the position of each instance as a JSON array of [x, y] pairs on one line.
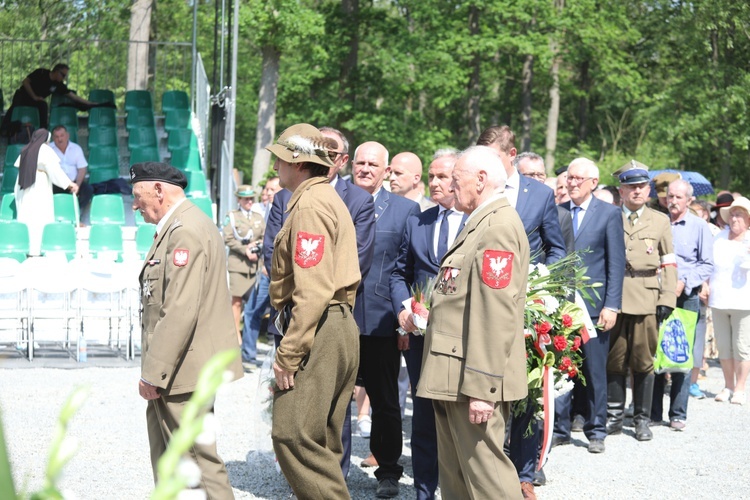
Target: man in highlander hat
[[314, 279]]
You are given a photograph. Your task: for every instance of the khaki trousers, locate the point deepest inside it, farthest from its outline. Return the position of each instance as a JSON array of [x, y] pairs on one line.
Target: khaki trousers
[[471, 459], [307, 420], [632, 344], [163, 419]]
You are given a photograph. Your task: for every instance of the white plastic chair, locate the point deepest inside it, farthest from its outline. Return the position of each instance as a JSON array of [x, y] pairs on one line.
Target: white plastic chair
[[14, 305], [53, 291], [103, 298]]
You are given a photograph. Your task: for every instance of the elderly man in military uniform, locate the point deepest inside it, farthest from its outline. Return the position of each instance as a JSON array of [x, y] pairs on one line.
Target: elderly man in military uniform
[[471, 369], [243, 235], [186, 316], [314, 279], [648, 298]]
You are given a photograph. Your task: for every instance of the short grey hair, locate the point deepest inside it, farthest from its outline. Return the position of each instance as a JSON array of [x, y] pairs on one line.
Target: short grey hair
[[445, 152], [528, 155], [591, 169], [487, 158], [342, 137], [686, 184]]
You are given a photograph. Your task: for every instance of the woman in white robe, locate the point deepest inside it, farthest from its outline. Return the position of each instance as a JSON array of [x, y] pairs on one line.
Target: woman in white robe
[[39, 168]]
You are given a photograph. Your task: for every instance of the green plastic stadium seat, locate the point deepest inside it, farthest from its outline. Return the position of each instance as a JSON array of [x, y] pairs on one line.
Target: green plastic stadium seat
[[196, 186], [107, 209], [177, 119], [10, 174], [144, 154], [63, 115], [181, 138], [102, 136], [14, 240], [102, 117], [12, 153], [138, 99], [174, 99], [140, 118], [66, 208], [59, 237], [103, 175], [8, 208], [186, 159], [101, 95], [105, 239], [103, 157], [26, 114], [142, 137]]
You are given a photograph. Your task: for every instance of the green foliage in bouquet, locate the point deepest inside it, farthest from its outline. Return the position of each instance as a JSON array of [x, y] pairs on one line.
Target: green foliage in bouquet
[[553, 326]]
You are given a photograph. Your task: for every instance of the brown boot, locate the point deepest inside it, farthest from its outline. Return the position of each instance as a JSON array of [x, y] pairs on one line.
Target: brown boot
[[369, 461], [527, 490]]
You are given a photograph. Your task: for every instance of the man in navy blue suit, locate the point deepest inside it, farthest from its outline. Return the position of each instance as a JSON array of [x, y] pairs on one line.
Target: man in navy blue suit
[[426, 238], [535, 204], [598, 228], [360, 206], [380, 357]]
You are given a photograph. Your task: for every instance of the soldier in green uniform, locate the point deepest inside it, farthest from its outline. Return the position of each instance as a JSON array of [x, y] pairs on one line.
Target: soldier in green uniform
[[185, 318], [648, 298], [314, 279], [243, 235]]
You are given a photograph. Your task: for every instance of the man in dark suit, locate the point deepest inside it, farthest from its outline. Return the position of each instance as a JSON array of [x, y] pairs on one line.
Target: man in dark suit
[[426, 239], [360, 206], [531, 165], [380, 357], [535, 204], [598, 229]]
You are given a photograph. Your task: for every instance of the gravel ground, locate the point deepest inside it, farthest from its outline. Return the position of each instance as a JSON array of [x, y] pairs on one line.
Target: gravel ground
[[708, 460]]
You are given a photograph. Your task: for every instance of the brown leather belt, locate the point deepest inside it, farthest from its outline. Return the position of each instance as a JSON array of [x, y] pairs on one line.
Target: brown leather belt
[[640, 274]]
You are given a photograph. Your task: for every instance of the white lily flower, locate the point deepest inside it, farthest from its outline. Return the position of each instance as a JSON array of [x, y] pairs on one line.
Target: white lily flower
[[210, 430], [189, 470]]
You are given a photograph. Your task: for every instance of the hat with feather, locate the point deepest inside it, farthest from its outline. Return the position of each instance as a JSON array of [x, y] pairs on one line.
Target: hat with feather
[[304, 143]]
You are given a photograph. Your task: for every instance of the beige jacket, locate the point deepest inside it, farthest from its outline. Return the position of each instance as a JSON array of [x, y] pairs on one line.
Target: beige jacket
[[187, 314], [474, 345]]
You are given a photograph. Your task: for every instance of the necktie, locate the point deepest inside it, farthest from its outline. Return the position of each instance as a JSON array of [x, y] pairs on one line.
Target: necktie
[[442, 245], [576, 211], [632, 218]]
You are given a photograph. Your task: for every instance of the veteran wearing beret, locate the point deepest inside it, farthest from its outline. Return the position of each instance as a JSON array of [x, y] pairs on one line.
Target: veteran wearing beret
[[186, 312], [243, 235], [314, 278], [648, 298], [471, 369]]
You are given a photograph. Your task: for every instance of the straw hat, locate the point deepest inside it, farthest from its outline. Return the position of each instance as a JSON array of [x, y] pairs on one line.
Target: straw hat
[[740, 202]]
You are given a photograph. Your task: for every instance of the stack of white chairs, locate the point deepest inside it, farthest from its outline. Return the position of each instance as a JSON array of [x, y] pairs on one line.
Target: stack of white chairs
[[104, 309], [54, 302], [15, 311]]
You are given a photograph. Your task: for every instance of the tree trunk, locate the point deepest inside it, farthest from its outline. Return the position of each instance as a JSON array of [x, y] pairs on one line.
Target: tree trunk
[[583, 102], [474, 85], [266, 129], [138, 50], [347, 86], [553, 116], [527, 75]]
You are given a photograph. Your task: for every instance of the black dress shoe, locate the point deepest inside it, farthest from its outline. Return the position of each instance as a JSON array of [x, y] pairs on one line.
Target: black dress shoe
[[539, 478], [596, 446], [559, 441], [642, 432]]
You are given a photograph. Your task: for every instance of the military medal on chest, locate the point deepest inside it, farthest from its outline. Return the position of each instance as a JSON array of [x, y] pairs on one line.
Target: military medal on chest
[[147, 288]]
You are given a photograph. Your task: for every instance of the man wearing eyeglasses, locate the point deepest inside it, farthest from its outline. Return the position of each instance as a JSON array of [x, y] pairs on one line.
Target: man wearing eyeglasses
[[39, 85], [598, 231]]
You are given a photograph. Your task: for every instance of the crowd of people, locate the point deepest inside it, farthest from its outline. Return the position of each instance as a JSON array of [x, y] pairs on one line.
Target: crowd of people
[[338, 261]]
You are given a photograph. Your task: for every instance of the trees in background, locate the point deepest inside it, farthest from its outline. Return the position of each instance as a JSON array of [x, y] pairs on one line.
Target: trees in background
[[663, 81]]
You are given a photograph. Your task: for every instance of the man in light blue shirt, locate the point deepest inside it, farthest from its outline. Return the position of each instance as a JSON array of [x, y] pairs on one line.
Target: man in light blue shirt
[[693, 247]]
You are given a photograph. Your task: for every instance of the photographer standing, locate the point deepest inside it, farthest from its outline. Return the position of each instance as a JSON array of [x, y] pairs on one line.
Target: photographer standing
[[243, 236]]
